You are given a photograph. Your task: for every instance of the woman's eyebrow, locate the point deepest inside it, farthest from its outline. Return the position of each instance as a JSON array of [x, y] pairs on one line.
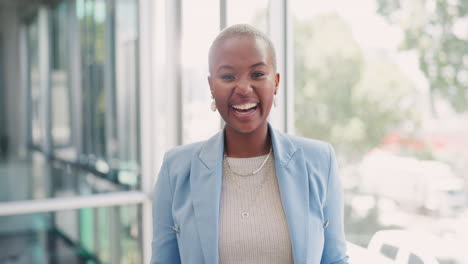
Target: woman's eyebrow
[[258, 64], [225, 67], [251, 66]]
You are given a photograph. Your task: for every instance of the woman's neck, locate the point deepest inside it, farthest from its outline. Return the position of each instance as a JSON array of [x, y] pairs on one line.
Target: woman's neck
[[247, 145]]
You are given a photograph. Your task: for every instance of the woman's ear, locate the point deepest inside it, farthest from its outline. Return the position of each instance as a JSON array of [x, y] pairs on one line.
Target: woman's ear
[[210, 84], [277, 80]]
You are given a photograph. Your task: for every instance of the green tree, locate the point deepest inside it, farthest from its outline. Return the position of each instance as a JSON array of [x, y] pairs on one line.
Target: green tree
[[434, 28], [341, 95]]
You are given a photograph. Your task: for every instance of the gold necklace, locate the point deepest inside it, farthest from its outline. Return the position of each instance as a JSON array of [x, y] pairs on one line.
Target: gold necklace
[[250, 173]]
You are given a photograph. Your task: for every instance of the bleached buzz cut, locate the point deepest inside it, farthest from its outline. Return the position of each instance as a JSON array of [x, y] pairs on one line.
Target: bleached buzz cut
[[242, 30]]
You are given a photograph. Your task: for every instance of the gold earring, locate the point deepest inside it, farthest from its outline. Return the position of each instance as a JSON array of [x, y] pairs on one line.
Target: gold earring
[[213, 105]]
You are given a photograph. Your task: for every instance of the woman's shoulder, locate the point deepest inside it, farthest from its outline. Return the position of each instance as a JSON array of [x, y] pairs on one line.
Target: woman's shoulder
[[183, 152], [177, 160]]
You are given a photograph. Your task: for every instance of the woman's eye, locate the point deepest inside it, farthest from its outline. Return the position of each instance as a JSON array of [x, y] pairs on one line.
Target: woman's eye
[[257, 74], [227, 77]]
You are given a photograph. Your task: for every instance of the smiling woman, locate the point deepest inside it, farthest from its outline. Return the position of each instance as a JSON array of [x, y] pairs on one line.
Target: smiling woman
[[249, 194], [243, 82]]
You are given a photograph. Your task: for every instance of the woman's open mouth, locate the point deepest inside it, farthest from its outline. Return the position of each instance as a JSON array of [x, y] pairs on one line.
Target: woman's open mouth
[[244, 110]]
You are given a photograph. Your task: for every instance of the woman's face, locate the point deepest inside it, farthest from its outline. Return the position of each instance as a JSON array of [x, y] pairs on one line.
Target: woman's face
[[243, 82]]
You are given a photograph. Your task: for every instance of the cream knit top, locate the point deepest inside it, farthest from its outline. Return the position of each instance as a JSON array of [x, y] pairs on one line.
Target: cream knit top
[[252, 224]]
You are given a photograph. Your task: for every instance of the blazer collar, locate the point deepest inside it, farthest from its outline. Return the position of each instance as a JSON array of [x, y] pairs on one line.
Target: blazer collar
[[283, 148], [212, 151]]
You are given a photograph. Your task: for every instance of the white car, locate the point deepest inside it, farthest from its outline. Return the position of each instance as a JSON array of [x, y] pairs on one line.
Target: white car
[[409, 247], [360, 255]]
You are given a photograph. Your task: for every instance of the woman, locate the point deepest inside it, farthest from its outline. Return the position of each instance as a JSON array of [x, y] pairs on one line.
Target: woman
[[250, 194]]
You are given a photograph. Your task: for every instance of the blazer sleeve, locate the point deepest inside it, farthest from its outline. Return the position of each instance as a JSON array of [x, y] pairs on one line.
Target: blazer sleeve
[[164, 244], [334, 251]]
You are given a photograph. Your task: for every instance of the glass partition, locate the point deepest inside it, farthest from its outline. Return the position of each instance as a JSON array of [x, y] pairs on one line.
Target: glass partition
[[92, 235], [102, 153], [82, 78]]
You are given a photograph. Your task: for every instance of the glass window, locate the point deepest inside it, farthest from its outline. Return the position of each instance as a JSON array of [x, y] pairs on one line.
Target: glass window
[[198, 31], [112, 233], [3, 116], [94, 70], [101, 235], [42, 178], [384, 83], [109, 38], [109, 158], [124, 149], [60, 87], [34, 83], [253, 12]]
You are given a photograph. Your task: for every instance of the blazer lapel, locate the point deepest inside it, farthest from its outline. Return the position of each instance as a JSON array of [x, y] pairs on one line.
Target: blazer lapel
[[294, 188], [205, 185]]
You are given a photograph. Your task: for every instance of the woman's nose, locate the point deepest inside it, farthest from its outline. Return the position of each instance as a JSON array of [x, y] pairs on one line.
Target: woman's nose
[[243, 87]]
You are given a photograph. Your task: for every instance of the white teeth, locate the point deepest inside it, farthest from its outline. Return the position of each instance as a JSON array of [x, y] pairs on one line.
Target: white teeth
[[244, 106]]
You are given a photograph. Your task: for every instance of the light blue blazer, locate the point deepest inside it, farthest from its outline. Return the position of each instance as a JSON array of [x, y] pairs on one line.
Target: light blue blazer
[[187, 198]]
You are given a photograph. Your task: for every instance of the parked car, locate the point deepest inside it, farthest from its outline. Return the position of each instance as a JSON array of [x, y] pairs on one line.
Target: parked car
[[409, 247], [361, 255], [414, 184]]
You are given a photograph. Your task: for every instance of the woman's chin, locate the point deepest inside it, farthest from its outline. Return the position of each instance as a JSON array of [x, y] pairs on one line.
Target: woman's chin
[[245, 127]]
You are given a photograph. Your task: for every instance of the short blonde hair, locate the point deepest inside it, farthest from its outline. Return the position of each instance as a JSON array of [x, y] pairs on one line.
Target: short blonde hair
[[239, 30]]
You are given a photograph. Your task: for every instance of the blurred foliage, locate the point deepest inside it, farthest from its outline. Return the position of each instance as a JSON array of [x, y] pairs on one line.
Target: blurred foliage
[[438, 31], [344, 96]]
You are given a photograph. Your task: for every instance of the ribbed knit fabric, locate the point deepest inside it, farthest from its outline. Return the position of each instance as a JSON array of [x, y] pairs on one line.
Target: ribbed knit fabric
[[252, 224]]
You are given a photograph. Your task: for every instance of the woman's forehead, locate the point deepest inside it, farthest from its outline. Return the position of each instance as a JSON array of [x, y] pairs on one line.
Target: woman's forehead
[[240, 49]]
